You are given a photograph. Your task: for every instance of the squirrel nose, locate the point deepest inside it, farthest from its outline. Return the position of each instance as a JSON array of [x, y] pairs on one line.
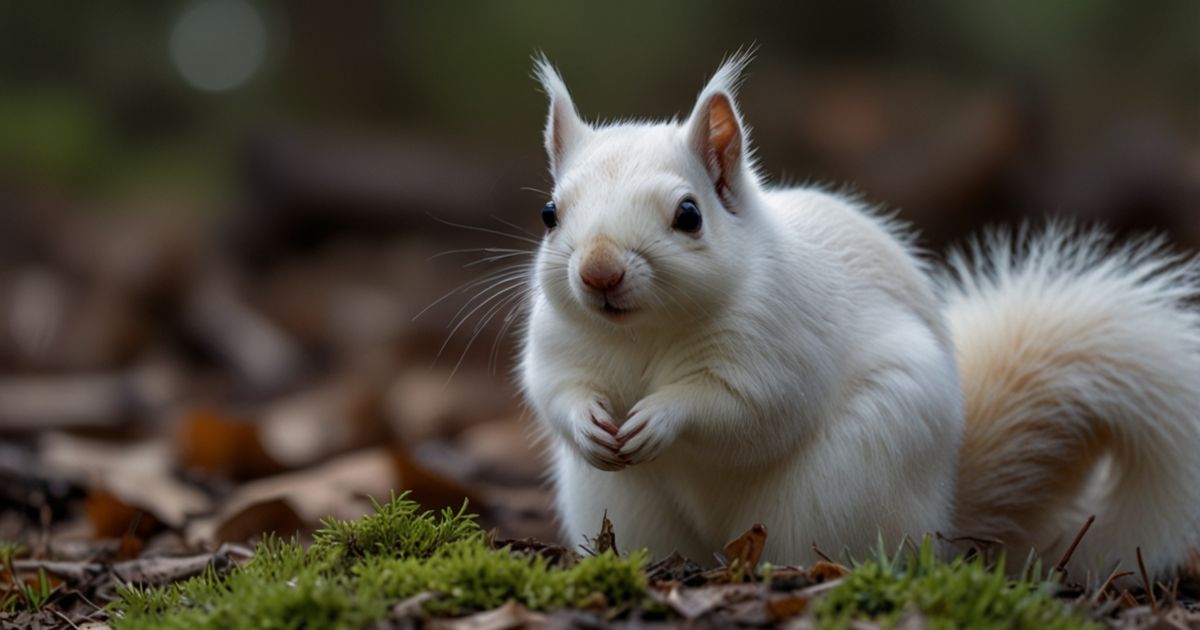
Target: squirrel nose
[[602, 269]]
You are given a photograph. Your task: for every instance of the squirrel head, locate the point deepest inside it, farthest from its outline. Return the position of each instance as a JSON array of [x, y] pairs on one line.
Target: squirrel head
[[649, 223]]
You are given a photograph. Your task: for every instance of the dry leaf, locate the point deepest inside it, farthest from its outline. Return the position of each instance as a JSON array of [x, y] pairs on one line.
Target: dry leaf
[[744, 552], [165, 569], [113, 518], [825, 571], [431, 490], [693, 603], [788, 606], [606, 540], [127, 479], [217, 444], [507, 617], [335, 488], [317, 424], [274, 516], [340, 487]]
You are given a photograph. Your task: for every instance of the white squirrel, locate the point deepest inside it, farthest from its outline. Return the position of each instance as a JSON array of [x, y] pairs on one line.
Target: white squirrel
[[707, 352]]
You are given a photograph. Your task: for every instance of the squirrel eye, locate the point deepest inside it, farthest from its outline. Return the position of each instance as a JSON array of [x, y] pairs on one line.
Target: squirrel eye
[[687, 217], [550, 214]]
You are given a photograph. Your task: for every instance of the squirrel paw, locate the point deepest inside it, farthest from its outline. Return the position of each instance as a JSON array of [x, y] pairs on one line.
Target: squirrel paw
[[595, 436], [652, 426]]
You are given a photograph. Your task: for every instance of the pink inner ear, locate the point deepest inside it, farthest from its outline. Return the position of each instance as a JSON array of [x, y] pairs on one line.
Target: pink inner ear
[[725, 144]]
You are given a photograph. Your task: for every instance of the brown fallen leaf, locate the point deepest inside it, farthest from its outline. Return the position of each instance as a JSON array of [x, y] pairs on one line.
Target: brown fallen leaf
[[274, 516], [215, 443], [340, 487], [825, 571], [74, 572], [744, 552], [113, 518], [149, 570], [606, 540], [324, 421], [693, 603], [126, 478], [431, 490], [786, 607], [676, 568], [166, 569], [507, 617]]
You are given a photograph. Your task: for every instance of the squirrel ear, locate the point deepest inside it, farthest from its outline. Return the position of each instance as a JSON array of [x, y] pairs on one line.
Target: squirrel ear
[[564, 128], [716, 134]]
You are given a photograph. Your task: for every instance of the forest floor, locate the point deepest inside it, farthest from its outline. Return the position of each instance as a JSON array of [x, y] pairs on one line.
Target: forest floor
[[165, 404]]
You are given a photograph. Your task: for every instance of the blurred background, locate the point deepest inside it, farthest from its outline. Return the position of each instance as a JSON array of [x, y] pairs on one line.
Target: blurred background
[[219, 219]]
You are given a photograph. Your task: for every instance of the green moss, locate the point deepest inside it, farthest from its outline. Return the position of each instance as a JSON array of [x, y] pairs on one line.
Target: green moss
[[397, 529], [357, 570], [957, 594]]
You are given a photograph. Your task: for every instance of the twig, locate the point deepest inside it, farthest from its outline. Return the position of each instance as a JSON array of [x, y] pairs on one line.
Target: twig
[[1061, 567], [817, 550], [980, 545], [1172, 593], [65, 618], [978, 540], [1112, 577], [1146, 581]]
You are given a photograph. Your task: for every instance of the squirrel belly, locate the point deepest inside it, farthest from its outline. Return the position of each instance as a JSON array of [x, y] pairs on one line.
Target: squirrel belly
[[704, 353]]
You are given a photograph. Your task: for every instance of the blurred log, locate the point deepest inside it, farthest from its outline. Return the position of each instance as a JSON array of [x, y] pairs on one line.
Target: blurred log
[[39, 403], [263, 359], [302, 190]]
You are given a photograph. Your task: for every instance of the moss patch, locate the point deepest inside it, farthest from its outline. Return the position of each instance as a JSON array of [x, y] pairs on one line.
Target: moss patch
[[355, 571], [957, 594]]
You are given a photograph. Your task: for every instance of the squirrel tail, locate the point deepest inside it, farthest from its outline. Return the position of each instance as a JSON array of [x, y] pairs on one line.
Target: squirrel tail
[[1080, 364]]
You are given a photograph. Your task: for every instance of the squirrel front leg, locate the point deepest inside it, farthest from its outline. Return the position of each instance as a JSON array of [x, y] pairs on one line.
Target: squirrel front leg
[[699, 404], [583, 419]]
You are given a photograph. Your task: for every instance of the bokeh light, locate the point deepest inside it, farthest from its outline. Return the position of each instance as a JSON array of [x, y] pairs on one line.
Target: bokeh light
[[218, 45]]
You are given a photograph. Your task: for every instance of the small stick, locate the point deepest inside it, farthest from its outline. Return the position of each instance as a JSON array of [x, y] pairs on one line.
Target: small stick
[[817, 550], [1061, 567], [1146, 581], [981, 541], [65, 618], [1172, 593], [1112, 577]]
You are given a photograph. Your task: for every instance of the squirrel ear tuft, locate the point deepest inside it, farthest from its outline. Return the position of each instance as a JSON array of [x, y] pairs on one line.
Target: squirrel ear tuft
[[564, 128], [716, 133]]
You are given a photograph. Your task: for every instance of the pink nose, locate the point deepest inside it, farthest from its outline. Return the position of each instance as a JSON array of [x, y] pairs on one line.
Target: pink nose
[[602, 269]]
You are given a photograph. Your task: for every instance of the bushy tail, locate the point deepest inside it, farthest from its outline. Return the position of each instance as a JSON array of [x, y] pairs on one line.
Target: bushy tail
[[1081, 371]]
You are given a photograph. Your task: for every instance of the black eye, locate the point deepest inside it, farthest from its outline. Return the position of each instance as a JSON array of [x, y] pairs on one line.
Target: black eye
[[550, 214], [687, 217]]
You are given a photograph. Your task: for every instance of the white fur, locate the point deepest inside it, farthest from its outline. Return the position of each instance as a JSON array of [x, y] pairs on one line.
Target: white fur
[[792, 365]]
